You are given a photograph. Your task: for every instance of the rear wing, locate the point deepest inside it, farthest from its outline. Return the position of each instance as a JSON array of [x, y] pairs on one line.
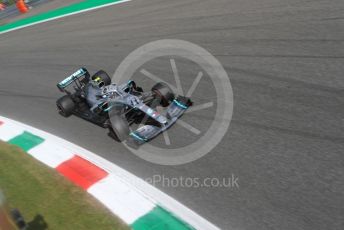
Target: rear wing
[[72, 78]]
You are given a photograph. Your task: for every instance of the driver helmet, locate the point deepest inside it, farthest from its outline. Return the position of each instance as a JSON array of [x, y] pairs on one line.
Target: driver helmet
[[97, 81]]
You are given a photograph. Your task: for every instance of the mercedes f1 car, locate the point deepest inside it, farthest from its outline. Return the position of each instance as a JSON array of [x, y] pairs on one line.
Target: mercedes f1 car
[[119, 108]]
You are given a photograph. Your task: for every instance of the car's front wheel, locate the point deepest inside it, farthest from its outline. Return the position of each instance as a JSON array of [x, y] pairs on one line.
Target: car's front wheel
[[119, 127], [163, 93]]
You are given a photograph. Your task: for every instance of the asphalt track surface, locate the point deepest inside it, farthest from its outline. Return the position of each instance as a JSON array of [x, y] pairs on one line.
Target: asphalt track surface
[[285, 59]]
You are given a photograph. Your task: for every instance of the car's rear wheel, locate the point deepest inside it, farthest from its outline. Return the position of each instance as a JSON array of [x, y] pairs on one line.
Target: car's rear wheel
[[163, 93], [65, 106], [104, 77], [119, 127]]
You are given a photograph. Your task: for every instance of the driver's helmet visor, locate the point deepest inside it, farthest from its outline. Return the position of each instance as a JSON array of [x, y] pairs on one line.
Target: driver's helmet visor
[[97, 82]]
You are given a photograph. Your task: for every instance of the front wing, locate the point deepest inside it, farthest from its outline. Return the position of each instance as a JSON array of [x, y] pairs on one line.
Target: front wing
[[175, 110]]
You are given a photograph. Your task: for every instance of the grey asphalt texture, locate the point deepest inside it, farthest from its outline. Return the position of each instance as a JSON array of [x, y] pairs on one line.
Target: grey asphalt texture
[[285, 59]]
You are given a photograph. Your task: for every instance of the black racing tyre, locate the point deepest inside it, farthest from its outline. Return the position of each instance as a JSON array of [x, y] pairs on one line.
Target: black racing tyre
[[103, 76], [65, 105], [164, 93], [120, 127]]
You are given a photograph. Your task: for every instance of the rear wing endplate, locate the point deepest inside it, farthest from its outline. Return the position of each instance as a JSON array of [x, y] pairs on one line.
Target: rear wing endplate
[[75, 76]]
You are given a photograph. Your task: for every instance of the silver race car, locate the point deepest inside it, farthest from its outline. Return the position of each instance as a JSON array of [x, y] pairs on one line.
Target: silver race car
[[125, 110]]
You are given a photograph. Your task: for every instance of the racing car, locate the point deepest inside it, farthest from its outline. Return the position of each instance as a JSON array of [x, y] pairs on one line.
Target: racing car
[[120, 107]]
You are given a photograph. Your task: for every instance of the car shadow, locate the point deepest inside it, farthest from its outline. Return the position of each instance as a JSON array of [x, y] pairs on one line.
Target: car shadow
[[38, 223]]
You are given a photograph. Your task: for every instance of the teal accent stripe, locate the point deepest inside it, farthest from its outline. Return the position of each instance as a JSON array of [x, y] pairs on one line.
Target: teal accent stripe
[[160, 219], [26, 141], [180, 104], [74, 8], [133, 134]]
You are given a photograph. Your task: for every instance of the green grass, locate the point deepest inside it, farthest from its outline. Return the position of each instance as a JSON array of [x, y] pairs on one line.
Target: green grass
[[46, 199]]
